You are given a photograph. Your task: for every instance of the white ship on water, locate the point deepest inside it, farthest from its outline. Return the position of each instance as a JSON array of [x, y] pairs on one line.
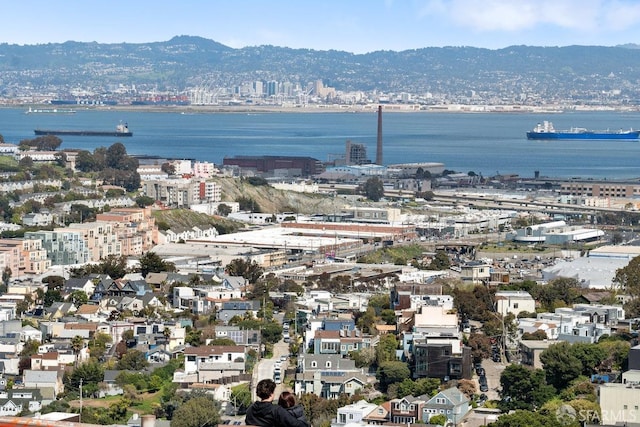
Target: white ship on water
[[50, 111]]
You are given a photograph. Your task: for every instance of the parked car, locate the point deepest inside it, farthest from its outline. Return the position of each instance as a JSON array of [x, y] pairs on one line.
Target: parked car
[[484, 387], [480, 371]]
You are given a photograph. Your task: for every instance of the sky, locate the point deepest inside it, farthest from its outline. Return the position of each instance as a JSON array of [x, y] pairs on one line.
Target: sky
[[356, 26]]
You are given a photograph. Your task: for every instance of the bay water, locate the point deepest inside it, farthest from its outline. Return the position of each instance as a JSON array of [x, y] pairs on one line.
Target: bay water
[[485, 143]]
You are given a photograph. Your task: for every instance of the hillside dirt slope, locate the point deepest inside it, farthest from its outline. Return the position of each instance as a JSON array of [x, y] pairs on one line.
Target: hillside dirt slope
[[271, 200]]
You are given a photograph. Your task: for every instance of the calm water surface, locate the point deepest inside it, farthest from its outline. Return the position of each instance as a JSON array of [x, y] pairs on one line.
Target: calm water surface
[[483, 143]]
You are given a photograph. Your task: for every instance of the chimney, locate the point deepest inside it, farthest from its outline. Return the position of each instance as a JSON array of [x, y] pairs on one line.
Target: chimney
[[148, 421], [379, 146]]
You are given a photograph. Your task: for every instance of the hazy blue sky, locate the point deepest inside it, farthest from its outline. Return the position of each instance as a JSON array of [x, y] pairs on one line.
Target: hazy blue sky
[[357, 26]]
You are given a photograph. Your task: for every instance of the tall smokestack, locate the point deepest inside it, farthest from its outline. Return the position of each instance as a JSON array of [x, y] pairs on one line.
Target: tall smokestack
[[379, 145]]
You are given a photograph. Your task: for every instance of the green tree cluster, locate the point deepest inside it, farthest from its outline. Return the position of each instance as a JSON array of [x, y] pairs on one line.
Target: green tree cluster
[[524, 388], [113, 165], [373, 189]]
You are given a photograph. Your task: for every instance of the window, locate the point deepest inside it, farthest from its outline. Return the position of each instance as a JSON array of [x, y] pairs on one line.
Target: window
[[350, 416], [515, 305]]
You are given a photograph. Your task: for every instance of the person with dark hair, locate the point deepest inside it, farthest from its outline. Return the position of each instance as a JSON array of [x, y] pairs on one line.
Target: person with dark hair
[[264, 413], [288, 401]]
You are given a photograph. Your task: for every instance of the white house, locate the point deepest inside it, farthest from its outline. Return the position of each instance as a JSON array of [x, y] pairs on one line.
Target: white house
[[514, 302]]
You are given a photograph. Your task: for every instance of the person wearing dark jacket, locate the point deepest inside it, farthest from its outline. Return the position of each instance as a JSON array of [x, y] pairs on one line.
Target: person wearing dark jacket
[[287, 400], [264, 413]]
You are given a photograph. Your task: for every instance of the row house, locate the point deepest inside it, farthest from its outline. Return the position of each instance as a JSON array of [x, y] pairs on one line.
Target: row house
[[37, 219], [402, 294], [439, 358], [100, 239], [327, 323], [31, 256], [48, 382], [328, 376], [53, 360], [354, 413], [64, 247], [582, 322], [13, 402], [91, 313], [407, 410], [342, 342], [136, 229], [97, 203], [82, 284], [432, 341], [212, 363], [240, 336], [178, 234], [514, 302], [451, 403]]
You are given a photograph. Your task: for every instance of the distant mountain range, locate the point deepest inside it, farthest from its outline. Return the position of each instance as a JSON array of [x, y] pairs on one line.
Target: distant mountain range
[[517, 72]]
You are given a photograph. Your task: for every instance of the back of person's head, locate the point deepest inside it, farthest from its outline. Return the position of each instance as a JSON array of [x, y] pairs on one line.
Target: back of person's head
[[265, 388], [287, 400]]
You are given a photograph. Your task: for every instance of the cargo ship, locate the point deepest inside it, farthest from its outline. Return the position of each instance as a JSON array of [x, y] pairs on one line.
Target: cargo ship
[[545, 130], [121, 130], [50, 111]]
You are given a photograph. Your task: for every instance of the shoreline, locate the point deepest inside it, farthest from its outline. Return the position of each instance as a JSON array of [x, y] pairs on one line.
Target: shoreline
[[319, 108]]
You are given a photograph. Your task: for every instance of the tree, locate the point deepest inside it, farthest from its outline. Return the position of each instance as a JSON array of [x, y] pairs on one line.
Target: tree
[[144, 201], [523, 418], [467, 387], [560, 365], [628, 278], [78, 297], [590, 355], [386, 348], [250, 270], [241, 397], [392, 372], [98, 345], [116, 154], [523, 388], [6, 276], [373, 189], [480, 346], [439, 419], [535, 336], [90, 373], [223, 209], [133, 360], [77, 344], [197, 412], [440, 261], [364, 357], [151, 262]]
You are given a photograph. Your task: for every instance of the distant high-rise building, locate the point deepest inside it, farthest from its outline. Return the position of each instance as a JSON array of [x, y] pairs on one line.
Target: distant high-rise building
[[258, 88]]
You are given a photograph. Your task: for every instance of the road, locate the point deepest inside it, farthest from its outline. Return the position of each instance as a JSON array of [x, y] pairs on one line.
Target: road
[[265, 368], [493, 370]]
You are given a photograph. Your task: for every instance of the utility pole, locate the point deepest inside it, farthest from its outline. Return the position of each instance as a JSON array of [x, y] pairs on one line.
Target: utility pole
[[80, 416]]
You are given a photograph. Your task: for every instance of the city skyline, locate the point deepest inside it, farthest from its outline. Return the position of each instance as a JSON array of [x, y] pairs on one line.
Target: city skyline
[[355, 26]]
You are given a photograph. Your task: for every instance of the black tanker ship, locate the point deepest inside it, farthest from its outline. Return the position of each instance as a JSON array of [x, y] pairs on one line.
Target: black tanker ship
[[121, 130]]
